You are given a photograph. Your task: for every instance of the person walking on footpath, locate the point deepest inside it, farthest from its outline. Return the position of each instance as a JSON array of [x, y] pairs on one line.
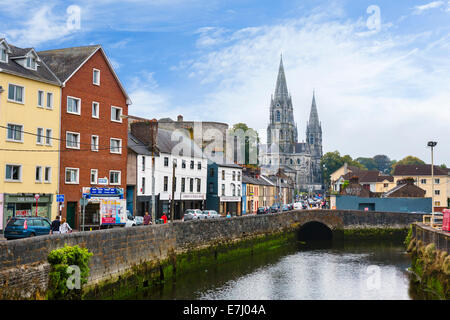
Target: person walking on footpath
[[64, 227], [164, 217], [54, 229], [147, 219]]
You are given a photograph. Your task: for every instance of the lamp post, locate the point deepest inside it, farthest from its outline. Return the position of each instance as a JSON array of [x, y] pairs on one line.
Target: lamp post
[[432, 144], [173, 190]]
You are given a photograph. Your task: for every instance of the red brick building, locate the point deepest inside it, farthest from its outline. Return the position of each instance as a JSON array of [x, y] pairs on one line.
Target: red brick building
[[93, 127]]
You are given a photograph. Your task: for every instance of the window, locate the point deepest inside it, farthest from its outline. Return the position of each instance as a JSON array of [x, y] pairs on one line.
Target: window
[[143, 163], [72, 175], [49, 100], [199, 185], [73, 105], [211, 172], [437, 192], [95, 109], [239, 191], [423, 181], [15, 93], [39, 136], [40, 98], [223, 174], [437, 181], [166, 183], [38, 176], [143, 185], [94, 143], [114, 177], [183, 164], [183, 184], [234, 175], [437, 203], [72, 140], [116, 114], [166, 161], [386, 185], [278, 116], [211, 187], [31, 63], [192, 164], [48, 174], [191, 184], [94, 176], [199, 165], [14, 132], [115, 145], [3, 55], [239, 176], [13, 172], [233, 189], [96, 77], [223, 189], [48, 137]]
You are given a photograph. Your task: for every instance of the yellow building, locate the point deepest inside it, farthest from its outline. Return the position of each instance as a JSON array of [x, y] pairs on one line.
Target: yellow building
[[29, 134], [422, 176], [384, 184]]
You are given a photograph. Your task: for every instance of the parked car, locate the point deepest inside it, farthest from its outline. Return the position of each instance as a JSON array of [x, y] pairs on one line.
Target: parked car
[[298, 206], [262, 210], [274, 208], [131, 222], [211, 214], [139, 220], [286, 207], [24, 227], [193, 214]]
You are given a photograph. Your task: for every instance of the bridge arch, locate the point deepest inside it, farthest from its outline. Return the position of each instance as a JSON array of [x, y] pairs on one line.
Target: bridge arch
[[314, 231]]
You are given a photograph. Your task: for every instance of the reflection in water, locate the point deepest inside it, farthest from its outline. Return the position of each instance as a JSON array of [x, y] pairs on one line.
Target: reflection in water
[[295, 271]]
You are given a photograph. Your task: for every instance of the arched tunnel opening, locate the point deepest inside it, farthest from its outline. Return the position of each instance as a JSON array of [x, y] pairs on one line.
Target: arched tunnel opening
[[314, 231]]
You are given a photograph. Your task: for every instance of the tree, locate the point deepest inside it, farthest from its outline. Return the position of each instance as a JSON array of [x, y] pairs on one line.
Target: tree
[[407, 160], [443, 166], [251, 145], [369, 163], [331, 161], [383, 163]]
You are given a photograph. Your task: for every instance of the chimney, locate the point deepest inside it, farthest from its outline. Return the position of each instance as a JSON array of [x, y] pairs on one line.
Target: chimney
[[180, 118], [146, 131]]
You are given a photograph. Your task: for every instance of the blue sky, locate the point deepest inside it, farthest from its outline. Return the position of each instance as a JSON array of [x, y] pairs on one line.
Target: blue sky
[[380, 87]]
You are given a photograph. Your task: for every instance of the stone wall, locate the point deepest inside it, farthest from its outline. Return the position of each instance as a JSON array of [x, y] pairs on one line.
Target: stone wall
[[427, 235], [115, 251]]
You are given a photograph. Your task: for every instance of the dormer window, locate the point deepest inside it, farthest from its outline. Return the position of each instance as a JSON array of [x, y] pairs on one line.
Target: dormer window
[[3, 55], [31, 63]]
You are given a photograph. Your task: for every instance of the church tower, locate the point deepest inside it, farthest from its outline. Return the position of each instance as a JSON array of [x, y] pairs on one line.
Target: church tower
[[282, 129], [314, 141]]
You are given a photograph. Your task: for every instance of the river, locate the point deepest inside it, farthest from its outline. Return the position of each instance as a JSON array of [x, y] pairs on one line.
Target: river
[[373, 271]]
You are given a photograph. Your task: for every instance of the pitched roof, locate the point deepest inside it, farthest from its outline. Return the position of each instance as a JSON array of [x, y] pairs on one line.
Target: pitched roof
[[65, 62], [411, 190], [42, 72], [187, 146], [418, 170], [137, 146]]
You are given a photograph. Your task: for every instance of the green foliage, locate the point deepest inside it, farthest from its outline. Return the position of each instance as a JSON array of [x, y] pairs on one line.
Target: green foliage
[[443, 166], [407, 160], [251, 143], [408, 237], [383, 163], [331, 161], [60, 260], [369, 163]]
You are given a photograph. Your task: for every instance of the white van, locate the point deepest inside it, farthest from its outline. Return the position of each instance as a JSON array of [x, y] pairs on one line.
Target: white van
[[298, 206]]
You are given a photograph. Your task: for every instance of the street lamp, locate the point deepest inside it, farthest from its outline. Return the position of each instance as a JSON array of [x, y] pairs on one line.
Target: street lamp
[[173, 190], [432, 144]]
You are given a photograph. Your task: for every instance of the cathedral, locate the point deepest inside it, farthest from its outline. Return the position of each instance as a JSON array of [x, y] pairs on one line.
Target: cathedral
[[299, 160]]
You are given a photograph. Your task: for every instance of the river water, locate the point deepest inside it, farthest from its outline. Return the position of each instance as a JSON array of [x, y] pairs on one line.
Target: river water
[[373, 271]]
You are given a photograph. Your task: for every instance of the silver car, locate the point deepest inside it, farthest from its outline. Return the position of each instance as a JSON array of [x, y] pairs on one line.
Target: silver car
[[193, 214], [211, 214]]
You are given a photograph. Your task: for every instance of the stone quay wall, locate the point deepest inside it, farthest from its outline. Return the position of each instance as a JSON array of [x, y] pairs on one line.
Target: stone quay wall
[[24, 267]]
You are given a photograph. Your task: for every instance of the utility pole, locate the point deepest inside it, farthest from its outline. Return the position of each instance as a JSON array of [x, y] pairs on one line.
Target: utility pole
[[432, 144], [173, 190], [153, 184]]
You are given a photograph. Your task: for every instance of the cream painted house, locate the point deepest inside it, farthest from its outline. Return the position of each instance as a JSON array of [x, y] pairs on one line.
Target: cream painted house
[[29, 134], [422, 177]]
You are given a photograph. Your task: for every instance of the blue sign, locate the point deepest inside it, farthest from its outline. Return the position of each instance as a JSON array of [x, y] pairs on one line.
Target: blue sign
[[105, 191], [59, 198]]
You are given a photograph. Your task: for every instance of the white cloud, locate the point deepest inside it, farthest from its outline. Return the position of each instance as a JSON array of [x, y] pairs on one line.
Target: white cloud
[[428, 6], [375, 95]]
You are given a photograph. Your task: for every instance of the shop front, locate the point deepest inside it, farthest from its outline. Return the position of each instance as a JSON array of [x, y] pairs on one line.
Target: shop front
[[192, 201], [24, 205], [231, 205]]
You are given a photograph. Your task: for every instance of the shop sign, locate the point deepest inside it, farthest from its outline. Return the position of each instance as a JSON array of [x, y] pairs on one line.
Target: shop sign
[[193, 196], [113, 211], [102, 181], [230, 199]]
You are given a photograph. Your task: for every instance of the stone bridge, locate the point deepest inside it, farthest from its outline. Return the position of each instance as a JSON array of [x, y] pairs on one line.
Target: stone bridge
[[24, 268]]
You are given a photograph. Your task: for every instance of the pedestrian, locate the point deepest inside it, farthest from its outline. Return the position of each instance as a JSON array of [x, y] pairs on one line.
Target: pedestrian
[[64, 227], [54, 229], [147, 219], [164, 217]]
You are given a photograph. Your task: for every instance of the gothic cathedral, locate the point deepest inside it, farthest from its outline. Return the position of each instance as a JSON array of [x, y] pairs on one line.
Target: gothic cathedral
[[299, 160]]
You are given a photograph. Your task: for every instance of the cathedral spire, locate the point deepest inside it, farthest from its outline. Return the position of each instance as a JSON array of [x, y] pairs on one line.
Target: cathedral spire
[[314, 116], [281, 86]]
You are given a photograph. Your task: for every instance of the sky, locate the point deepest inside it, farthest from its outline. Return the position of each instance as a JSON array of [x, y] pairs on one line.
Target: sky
[[380, 69]]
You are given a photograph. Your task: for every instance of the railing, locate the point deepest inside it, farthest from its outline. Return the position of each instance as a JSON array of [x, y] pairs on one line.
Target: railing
[[437, 223]]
